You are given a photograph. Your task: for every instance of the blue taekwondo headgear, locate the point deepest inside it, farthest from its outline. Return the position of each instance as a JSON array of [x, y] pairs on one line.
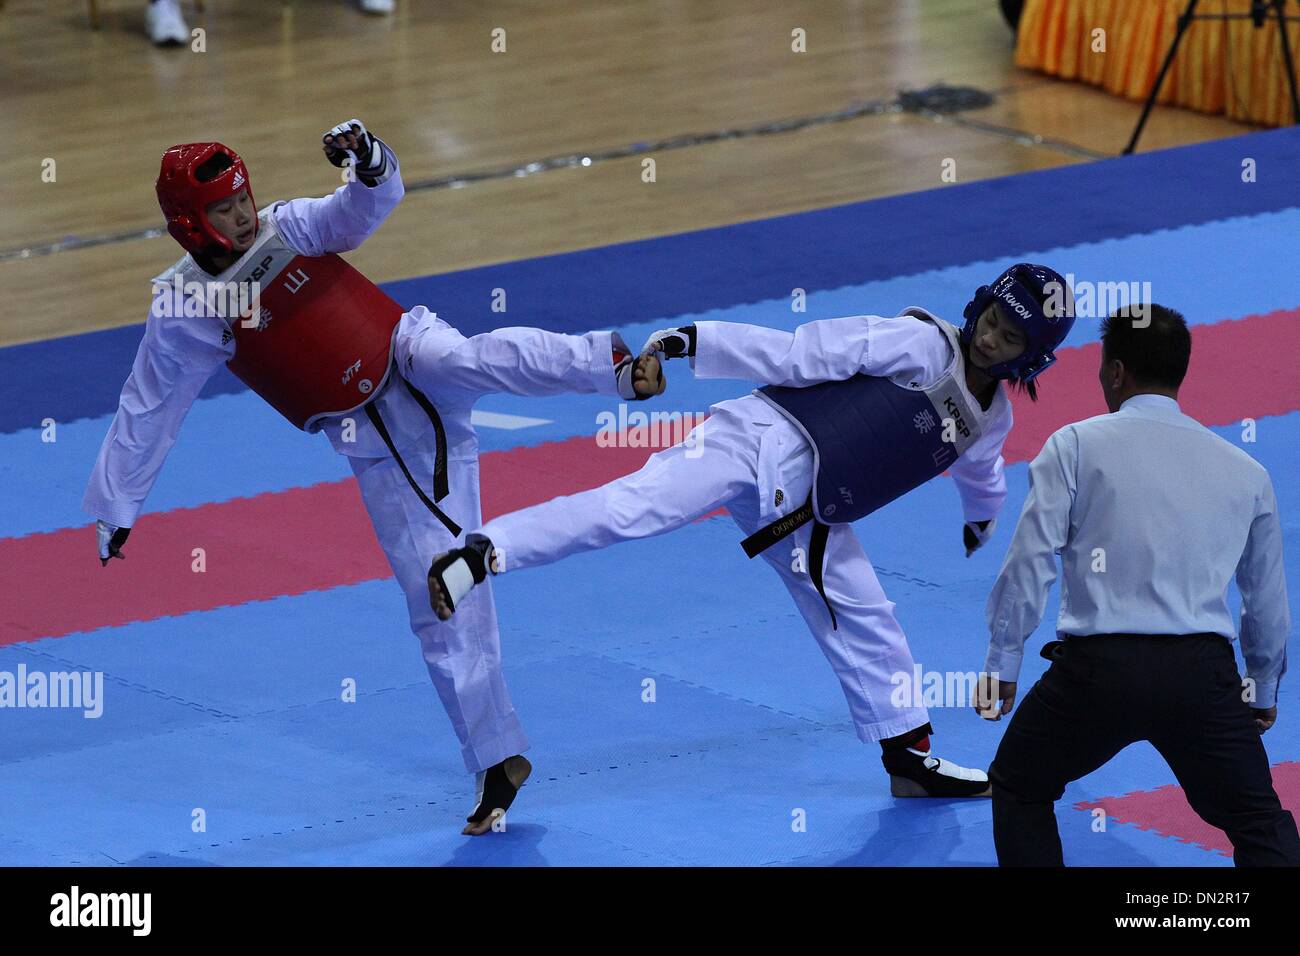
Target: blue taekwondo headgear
[[1040, 302]]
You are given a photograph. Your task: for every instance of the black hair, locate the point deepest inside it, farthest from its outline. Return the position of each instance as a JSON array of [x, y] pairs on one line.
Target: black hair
[[1029, 388], [1151, 340], [213, 167]]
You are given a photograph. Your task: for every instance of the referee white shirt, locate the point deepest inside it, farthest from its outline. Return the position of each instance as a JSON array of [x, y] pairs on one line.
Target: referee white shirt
[[1170, 511]]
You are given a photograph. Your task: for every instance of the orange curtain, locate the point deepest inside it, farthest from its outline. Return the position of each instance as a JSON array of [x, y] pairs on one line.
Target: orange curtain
[[1228, 67]]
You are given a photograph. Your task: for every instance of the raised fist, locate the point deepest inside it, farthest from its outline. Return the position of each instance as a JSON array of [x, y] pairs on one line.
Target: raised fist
[[350, 142]]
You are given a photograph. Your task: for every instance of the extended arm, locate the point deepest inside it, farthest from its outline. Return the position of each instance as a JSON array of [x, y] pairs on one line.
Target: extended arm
[[165, 379], [902, 347]]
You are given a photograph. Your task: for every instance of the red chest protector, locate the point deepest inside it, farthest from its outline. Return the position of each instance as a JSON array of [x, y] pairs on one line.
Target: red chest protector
[[321, 342], [318, 343]]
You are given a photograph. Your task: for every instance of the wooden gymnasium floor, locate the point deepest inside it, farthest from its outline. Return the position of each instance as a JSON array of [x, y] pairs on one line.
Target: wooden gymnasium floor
[[583, 76]]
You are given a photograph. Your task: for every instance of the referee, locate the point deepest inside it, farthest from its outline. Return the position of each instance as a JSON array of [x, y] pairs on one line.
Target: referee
[[1152, 514]]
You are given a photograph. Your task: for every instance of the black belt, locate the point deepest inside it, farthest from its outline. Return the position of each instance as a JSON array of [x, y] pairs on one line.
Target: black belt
[[783, 527], [764, 538], [439, 459]]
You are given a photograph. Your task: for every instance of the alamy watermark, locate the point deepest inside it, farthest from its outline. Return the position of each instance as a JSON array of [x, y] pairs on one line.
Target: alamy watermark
[[224, 300], [1097, 300], [76, 690], [637, 429], [76, 908], [918, 688]]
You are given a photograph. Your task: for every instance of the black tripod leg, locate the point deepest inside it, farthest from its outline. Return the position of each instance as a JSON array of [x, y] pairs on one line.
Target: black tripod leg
[[1286, 59], [1184, 22]]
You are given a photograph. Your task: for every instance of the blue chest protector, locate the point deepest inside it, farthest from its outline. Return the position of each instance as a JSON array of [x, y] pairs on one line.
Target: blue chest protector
[[873, 441]]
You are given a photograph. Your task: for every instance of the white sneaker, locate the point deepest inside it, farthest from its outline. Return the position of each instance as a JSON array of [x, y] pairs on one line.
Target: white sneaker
[[377, 6], [165, 25]]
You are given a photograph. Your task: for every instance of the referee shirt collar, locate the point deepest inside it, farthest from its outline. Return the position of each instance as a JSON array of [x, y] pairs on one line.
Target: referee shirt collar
[[1147, 400]]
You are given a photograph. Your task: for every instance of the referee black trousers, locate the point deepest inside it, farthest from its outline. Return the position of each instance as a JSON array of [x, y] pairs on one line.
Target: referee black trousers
[[1183, 694]]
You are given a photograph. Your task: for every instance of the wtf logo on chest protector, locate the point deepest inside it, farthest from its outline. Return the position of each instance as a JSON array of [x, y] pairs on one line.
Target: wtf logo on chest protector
[[364, 386]]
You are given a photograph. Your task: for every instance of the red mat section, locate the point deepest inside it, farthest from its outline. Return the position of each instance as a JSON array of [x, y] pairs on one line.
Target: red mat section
[[1242, 368], [1166, 811], [279, 543]]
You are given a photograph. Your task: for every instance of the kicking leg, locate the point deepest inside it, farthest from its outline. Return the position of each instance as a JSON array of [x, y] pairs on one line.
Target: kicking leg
[[674, 487], [443, 363]]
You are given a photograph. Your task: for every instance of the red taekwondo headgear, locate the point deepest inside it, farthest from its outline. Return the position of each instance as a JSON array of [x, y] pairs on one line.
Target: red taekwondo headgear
[[184, 199]]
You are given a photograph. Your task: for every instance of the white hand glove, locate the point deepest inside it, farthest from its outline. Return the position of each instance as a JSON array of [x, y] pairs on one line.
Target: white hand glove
[[672, 343], [351, 142]]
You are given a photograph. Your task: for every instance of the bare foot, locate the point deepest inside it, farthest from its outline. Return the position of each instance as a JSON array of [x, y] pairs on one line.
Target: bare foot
[[438, 598], [478, 829], [517, 769], [647, 376]]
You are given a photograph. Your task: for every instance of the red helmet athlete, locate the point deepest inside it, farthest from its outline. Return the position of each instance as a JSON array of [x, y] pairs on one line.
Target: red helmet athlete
[[184, 199]]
